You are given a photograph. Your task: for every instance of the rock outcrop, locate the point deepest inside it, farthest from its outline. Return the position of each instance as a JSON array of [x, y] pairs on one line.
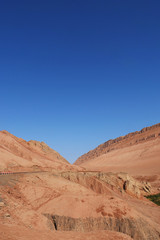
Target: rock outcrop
[[138, 229], [103, 183]]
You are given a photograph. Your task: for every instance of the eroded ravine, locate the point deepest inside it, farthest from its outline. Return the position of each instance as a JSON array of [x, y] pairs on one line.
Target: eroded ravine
[[137, 229]]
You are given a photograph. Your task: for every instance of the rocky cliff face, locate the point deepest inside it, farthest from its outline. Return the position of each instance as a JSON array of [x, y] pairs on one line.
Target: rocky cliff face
[[138, 229], [144, 135], [104, 183]]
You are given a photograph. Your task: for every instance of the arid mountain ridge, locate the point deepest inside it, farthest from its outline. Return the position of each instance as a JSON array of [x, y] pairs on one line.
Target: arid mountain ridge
[[18, 154], [44, 196], [134, 138], [33, 145]]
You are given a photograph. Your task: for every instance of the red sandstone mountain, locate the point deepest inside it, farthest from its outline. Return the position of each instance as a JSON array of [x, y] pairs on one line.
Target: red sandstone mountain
[[56, 200], [137, 153], [18, 154]]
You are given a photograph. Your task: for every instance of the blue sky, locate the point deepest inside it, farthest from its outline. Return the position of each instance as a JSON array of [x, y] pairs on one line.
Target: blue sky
[[77, 73]]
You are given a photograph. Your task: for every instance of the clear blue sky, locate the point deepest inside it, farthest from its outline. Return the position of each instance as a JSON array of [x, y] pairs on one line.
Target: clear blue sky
[[75, 73]]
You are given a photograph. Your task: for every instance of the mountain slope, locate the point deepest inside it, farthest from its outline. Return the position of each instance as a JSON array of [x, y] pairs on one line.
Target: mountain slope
[[54, 199], [18, 154], [135, 153]]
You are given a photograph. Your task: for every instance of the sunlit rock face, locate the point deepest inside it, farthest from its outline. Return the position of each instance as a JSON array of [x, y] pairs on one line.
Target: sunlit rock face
[[136, 153], [42, 196], [137, 229]]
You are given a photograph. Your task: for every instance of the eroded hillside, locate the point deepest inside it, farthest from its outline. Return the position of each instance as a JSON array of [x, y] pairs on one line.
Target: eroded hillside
[[136, 153], [17, 154], [44, 197], [78, 201]]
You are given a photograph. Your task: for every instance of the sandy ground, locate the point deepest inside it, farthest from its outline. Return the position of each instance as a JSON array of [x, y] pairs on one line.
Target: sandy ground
[[21, 233]]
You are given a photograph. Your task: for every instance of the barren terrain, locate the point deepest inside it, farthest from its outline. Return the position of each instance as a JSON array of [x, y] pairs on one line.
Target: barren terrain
[[137, 153], [43, 196]]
